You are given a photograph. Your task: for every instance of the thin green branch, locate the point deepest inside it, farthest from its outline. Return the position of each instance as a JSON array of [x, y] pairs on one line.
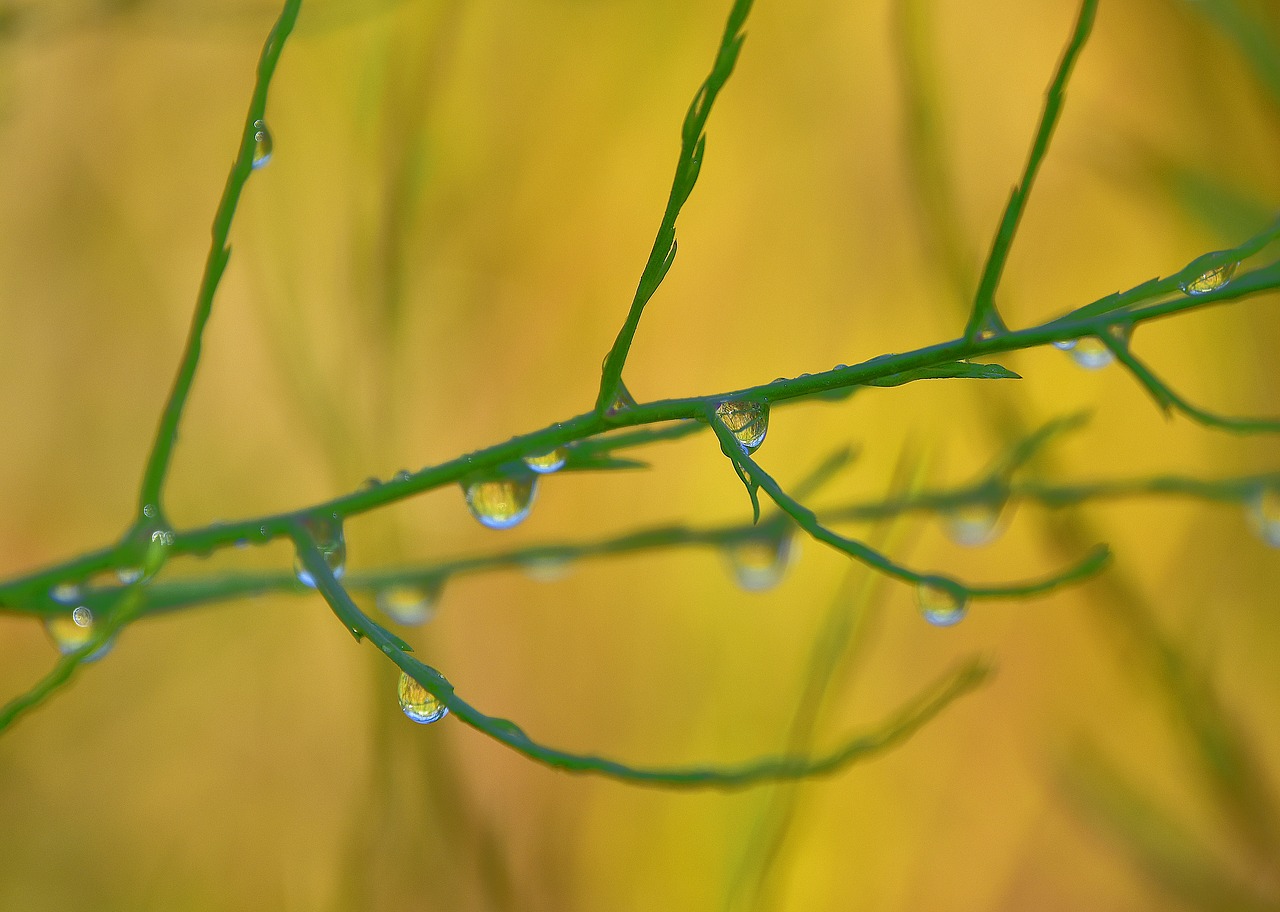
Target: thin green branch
[[985, 314], [153, 478], [693, 144], [897, 729], [1168, 400]]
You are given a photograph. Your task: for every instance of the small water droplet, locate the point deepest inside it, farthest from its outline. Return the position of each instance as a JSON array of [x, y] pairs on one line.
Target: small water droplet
[[973, 525], [150, 511], [326, 532], [145, 551], [71, 632], [262, 531], [1065, 344], [262, 145], [941, 604], [759, 562], [1091, 353], [403, 475], [1211, 280], [501, 502], [370, 483], [622, 400], [418, 704], [410, 606], [1264, 515], [65, 593], [747, 420], [547, 568], [546, 463]]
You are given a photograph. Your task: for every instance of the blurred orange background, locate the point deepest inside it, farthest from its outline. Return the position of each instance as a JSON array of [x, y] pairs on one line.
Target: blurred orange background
[[440, 253]]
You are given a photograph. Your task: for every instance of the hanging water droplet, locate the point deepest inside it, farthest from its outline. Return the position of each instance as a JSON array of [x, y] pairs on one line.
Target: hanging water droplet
[[71, 632], [326, 532], [941, 604], [410, 606], [1264, 514], [747, 420], [973, 525], [546, 463], [1091, 353], [1065, 344], [501, 502], [65, 593], [262, 145], [1211, 280], [547, 568], [419, 704], [759, 562]]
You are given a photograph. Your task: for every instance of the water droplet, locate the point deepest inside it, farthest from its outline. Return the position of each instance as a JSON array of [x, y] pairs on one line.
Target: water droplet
[[65, 593], [326, 532], [501, 502], [622, 400], [403, 475], [973, 525], [145, 551], [547, 568], [418, 704], [262, 145], [1211, 280], [1065, 344], [1091, 353], [941, 603], [151, 511], [546, 463], [370, 483], [1264, 514], [747, 420], [70, 632], [410, 606], [759, 562]]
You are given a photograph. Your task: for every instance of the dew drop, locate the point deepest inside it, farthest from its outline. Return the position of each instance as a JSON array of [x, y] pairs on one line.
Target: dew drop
[[1264, 515], [758, 563], [940, 603], [418, 704], [622, 400], [973, 525], [1065, 344], [1091, 353], [410, 606], [371, 483], [747, 420], [146, 550], [262, 145], [150, 511], [546, 463], [326, 532], [501, 502], [70, 632], [65, 593], [1212, 280], [403, 475], [547, 568]]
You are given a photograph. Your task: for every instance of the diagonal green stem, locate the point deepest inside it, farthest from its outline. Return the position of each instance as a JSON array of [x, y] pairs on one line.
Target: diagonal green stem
[[157, 467], [984, 314]]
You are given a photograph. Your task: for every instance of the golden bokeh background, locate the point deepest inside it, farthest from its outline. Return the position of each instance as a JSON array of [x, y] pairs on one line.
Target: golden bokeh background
[[437, 258]]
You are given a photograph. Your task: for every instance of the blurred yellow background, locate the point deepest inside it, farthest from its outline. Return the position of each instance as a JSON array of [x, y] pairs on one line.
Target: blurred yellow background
[[441, 251]]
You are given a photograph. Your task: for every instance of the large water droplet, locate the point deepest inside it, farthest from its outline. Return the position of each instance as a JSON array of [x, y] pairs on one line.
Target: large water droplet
[[973, 525], [546, 463], [71, 632], [1264, 514], [622, 400], [759, 562], [418, 704], [747, 420], [501, 502], [941, 604], [1211, 280], [1091, 353], [262, 145], [409, 605], [326, 532], [146, 550]]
